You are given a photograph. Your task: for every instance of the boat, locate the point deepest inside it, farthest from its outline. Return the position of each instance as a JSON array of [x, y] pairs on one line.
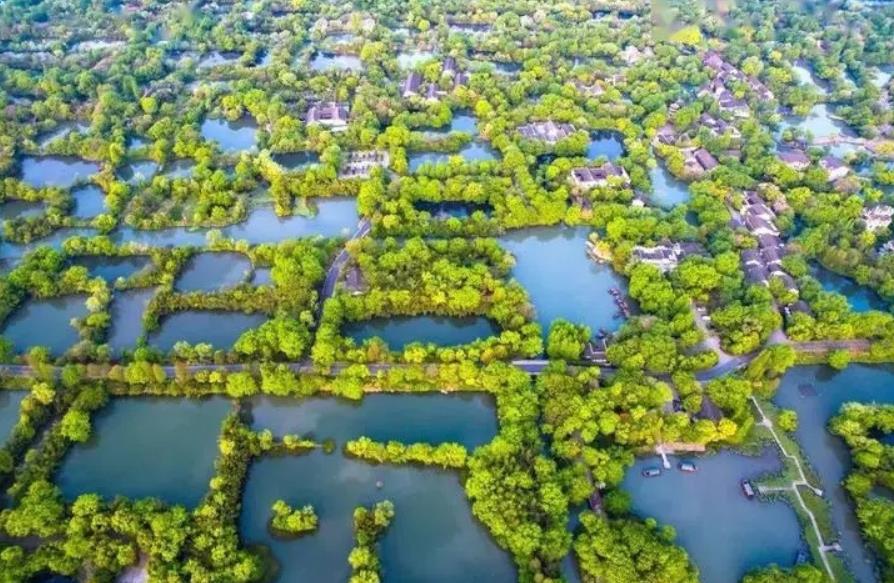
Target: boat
[[747, 489], [651, 472], [688, 467]]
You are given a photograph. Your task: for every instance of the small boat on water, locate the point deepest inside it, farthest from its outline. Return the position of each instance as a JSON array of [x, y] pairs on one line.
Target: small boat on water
[[651, 472], [688, 467], [747, 489]]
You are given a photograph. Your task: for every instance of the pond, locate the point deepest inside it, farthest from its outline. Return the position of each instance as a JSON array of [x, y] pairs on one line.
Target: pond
[[805, 77], [297, 160], [410, 60], [818, 122], [433, 517], [180, 169], [138, 171], [709, 512], [15, 208], [45, 323], [61, 171], [605, 145], [473, 152], [262, 276], [332, 62], [860, 298], [817, 394], [466, 418], [89, 201], [335, 217], [145, 447], [216, 58], [111, 268], [667, 191], [552, 264], [60, 131], [232, 136], [400, 331], [448, 209], [127, 311], [213, 271], [461, 122], [217, 328], [9, 411]]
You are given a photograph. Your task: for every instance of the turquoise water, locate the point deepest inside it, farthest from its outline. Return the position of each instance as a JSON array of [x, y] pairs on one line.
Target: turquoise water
[[605, 145], [860, 297], [397, 332], [127, 318], [433, 518], [296, 160], [667, 191], [111, 268], [231, 136], [335, 217], [725, 534], [331, 62], [20, 209], [139, 171], [147, 447], [817, 394], [574, 288], [89, 201], [213, 271], [9, 411], [469, 419], [220, 329], [61, 171], [45, 323]]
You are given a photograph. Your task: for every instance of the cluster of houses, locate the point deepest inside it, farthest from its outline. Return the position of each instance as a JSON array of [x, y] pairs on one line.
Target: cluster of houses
[[727, 73], [549, 132], [331, 114], [764, 262], [414, 86], [361, 164], [798, 160], [666, 257], [877, 217], [697, 162], [588, 177]]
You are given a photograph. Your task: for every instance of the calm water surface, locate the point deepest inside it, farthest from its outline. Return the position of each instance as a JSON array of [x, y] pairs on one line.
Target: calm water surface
[[138, 171], [605, 145], [45, 323], [232, 136], [147, 447], [9, 411], [333, 62], [61, 171], [111, 268], [213, 271], [15, 208], [574, 288], [725, 534], [220, 329], [667, 191], [433, 518], [860, 297], [400, 331], [127, 318], [817, 394], [89, 201]]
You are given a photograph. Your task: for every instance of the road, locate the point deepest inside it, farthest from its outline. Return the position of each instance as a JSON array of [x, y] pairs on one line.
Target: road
[[334, 271], [531, 366]]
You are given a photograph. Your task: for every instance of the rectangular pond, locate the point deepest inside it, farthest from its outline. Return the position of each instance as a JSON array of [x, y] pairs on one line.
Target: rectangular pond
[[400, 331], [111, 268], [217, 328], [709, 512], [552, 264], [61, 171], [468, 419], [144, 447], [89, 201], [10, 402], [45, 323], [213, 271], [231, 136], [127, 311]]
